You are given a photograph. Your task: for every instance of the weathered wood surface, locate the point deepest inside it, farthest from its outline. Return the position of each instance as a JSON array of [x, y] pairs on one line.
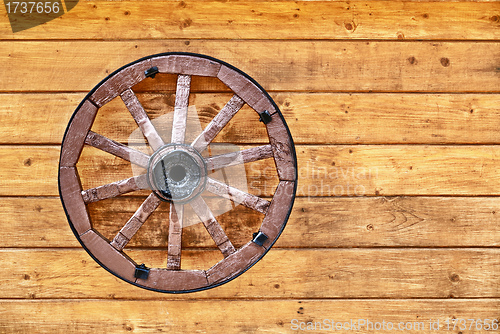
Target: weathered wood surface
[[96, 316], [282, 273], [314, 222], [213, 227], [351, 118], [270, 20], [333, 170], [135, 222], [319, 66], [180, 109], [175, 236]]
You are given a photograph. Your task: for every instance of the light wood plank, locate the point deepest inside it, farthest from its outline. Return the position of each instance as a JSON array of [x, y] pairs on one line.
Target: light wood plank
[[317, 118], [270, 20], [238, 316], [314, 222], [331, 66], [331, 170], [282, 273]]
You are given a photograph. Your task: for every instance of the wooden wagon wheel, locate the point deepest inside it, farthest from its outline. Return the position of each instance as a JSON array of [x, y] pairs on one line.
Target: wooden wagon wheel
[[176, 173]]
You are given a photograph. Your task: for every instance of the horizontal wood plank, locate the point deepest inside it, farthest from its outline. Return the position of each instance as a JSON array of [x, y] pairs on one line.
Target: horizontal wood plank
[[332, 66], [314, 222], [319, 273], [317, 118], [91, 316], [330, 170], [270, 20]]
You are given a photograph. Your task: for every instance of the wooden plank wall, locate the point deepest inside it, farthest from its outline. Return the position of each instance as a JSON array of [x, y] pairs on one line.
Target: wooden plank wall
[[396, 101]]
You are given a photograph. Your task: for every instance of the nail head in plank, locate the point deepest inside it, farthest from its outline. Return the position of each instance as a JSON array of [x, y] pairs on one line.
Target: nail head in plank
[[71, 195], [174, 280], [276, 216], [112, 259], [77, 132], [186, 64], [124, 79], [235, 263]]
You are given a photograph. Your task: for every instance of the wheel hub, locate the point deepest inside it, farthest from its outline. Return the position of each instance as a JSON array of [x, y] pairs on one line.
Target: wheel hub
[[176, 173]]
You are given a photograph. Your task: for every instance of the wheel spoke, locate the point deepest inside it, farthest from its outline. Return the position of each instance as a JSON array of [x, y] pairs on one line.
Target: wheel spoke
[[238, 196], [218, 123], [181, 108], [213, 227], [135, 222], [115, 189], [117, 149], [240, 157], [175, 236], [142, 119]]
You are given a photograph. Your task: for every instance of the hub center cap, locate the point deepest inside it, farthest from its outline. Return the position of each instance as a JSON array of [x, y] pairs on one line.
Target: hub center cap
[[177, 172]]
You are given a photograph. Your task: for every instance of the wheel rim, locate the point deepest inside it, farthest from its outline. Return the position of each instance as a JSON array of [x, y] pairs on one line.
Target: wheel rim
[[176, 173]]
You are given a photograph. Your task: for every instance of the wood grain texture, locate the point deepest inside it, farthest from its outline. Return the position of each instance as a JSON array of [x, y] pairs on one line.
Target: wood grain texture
[[218, 123], [271, 20], [239, 157], [135, 222], [239, 197], [319, 66], [115, 189], [213, 227], [142, 119], [314, 118], [314, 222], [91, 316], [175, 236], [181, 109], [332, 170], [282, 273], [110, 146]]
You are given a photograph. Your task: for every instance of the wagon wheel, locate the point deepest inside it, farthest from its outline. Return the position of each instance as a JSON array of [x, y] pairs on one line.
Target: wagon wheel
[[176, 173]]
